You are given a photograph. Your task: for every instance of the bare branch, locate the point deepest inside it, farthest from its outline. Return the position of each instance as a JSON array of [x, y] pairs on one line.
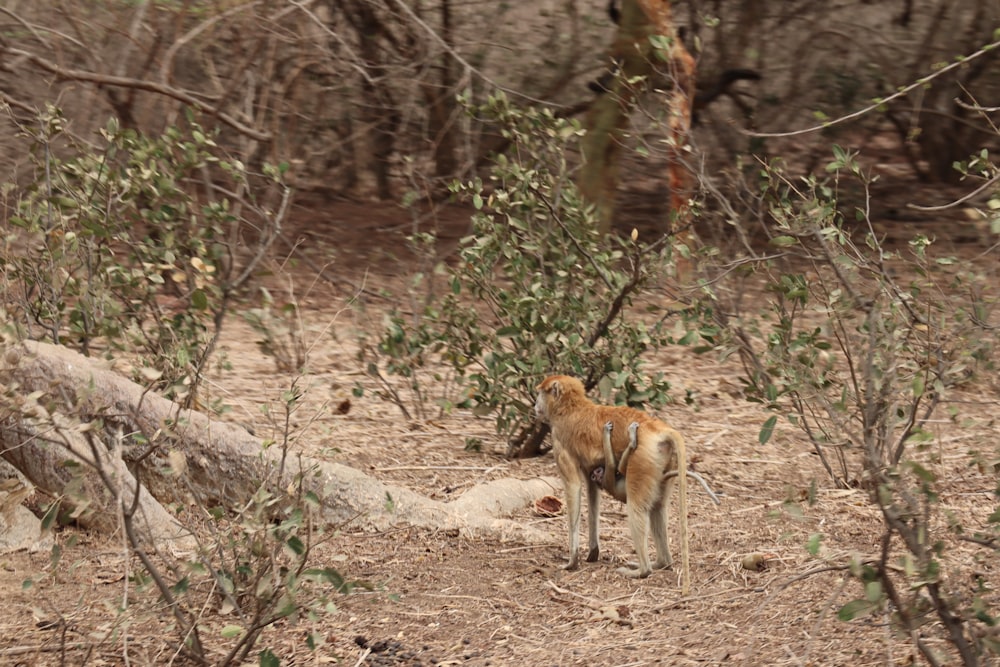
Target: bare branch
[[919, 83], [961, 200], [149, 86]]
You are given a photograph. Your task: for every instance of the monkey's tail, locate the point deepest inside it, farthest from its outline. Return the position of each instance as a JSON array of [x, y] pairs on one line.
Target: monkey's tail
[[682, 510]]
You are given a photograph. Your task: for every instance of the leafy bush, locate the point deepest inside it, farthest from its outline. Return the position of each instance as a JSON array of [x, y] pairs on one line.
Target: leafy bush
[[863, 341], [282, 335], [256, 564], [114, 249], [536, 289], [859, 345]]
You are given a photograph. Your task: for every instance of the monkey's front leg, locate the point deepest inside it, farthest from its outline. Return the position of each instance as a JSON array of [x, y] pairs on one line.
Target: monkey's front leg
[[593, 519], [573, 486]]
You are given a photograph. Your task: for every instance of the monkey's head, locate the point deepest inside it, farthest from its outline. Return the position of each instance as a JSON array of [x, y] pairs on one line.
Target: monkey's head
[[554, 391]]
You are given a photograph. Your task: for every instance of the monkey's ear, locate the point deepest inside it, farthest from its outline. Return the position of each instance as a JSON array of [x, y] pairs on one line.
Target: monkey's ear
[[555, 388]]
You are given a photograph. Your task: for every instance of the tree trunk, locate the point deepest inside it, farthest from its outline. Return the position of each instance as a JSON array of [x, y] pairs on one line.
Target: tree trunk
[[63, 406], [608, 116], [681, 72], [634, 56], [442, 109], [64, 459], [378, 110]]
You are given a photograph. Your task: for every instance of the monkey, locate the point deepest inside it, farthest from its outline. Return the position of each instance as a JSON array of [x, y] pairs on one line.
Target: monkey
[[614, 484], [576, 422], [617, 490]]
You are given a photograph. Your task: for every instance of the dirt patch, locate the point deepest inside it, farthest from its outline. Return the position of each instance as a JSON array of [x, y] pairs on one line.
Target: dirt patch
[[439, 599]]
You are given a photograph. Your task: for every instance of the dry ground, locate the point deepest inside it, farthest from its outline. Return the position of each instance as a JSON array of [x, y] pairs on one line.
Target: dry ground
[[445, 600]]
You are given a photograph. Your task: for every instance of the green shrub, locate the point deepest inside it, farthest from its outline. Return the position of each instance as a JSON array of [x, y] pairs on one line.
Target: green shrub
[[113, 250], [859, 345], [537, 290]]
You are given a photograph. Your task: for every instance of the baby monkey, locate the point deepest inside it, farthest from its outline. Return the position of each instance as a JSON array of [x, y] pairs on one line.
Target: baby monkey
[[610, 476]]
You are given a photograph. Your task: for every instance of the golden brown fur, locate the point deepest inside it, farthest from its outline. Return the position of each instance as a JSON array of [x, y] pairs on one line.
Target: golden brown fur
[[611, 476], [577, 430]]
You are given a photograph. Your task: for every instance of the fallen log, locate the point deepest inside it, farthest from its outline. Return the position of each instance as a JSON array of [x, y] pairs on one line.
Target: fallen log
[[64, 406]]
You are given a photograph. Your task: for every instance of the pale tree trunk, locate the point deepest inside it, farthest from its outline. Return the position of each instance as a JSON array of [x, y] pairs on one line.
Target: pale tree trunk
[[63, 406], [63, 458]]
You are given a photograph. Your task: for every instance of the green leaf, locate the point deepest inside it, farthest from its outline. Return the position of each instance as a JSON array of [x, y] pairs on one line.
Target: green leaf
[[230, 631], [327, 574], [49, 518], [483, 409], [689, 338], [920, 471], [65, 202], [873, 591], [268, 659], [199, 301], [296, 545], [783, 241], [767, 430], [181, 586], [812, 546], [854, 609]]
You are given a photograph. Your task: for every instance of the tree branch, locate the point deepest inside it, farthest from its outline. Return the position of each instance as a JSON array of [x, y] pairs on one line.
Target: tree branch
[[139, 84]]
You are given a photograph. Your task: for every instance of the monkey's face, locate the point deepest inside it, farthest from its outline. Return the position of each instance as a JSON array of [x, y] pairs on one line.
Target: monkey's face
[[551, 390], [597, 475], [548, 391]]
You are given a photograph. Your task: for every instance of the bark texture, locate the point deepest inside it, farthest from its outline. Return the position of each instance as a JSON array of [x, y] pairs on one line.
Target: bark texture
[[637, 62]]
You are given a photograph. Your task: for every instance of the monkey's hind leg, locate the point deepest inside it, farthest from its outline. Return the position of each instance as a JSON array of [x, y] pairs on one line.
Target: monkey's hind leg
[[659, 521], [638, 525]]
